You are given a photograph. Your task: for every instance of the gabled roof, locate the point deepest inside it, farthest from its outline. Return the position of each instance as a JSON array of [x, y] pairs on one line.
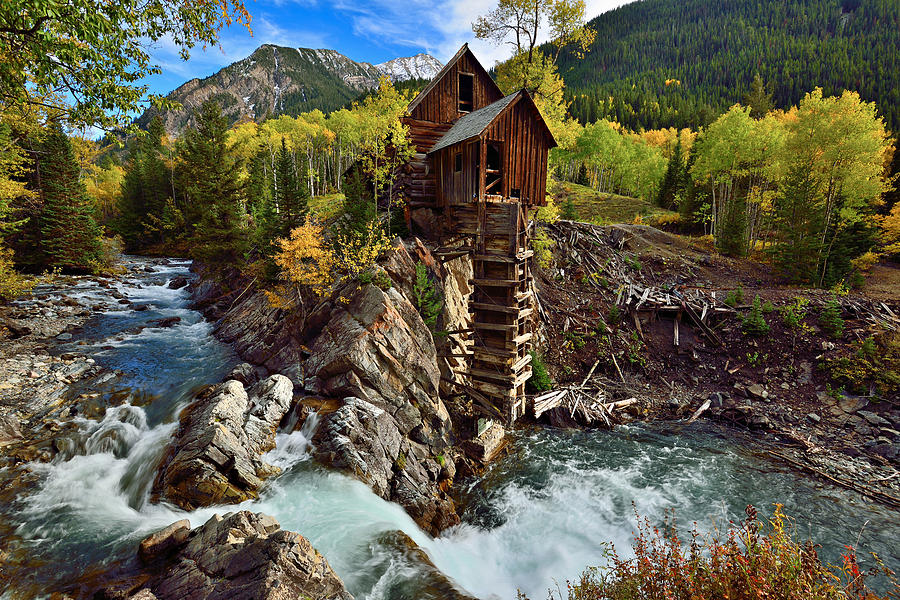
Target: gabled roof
[[475, 123], [459, 54]]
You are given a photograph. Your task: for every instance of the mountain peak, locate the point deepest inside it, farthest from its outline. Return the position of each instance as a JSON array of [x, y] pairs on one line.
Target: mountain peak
[[277, 80]]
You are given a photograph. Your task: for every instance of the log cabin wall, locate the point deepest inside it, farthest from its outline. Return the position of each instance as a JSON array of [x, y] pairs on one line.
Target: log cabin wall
[[417, 179]]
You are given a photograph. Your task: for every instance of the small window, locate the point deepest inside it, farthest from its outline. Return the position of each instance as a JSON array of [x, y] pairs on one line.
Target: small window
[[466, 92], [457, 162], [515, 193]]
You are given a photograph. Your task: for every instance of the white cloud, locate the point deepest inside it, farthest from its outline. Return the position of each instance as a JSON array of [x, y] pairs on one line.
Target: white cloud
[[439, 27]]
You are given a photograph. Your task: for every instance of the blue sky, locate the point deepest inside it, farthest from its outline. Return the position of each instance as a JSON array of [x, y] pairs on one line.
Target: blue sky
[[372, 31]]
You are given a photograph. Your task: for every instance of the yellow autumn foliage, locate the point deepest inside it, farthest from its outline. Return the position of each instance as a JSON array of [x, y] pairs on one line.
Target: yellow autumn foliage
[[890, 228], [305, 259]]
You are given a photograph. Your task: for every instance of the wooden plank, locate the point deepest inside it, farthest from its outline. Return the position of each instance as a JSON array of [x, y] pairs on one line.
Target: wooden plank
[[494, 282]]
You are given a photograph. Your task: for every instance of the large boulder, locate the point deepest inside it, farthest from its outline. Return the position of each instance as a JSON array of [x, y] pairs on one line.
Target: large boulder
[[366, 442], [215, 456], [241, 556], [376, 347], [368, 345], [265, 335]]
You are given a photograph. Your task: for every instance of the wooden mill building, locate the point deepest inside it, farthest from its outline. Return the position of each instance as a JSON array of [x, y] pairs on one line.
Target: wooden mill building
[[480, 164]]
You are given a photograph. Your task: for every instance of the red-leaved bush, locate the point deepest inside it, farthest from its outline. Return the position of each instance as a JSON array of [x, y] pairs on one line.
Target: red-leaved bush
[[749, 562]]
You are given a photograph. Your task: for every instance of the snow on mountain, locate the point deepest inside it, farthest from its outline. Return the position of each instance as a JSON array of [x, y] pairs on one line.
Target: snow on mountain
[[420, 66]]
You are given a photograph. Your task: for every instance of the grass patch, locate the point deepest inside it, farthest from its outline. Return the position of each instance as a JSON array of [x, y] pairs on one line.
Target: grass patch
[[592, 206], [326, 207]]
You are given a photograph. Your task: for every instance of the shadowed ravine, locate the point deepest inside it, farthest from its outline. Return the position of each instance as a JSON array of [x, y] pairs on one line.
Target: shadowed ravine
[[543, 513]]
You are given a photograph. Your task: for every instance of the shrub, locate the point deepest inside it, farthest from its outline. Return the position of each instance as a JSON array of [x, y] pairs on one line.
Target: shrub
[[749, 561], [12, 284], [379, 278], [830, 318], [793, 314], [540, 378], [865, 262], [568, 211], [755, 322], [543, 249], [306, 259], [735, 297], [426, 297], [661, 220], [615, 315], [549, 213], [870, 365]]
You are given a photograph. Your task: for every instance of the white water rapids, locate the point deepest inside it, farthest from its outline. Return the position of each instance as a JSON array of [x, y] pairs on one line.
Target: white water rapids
[[535, 518]]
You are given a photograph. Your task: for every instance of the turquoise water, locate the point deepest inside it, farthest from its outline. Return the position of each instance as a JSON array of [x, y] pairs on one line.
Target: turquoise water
[[535, 518]]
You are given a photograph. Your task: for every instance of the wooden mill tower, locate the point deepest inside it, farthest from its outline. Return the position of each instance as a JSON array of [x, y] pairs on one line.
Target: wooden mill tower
[[480, 165]]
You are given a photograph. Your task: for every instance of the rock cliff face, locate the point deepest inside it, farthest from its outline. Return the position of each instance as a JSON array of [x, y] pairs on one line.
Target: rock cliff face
[[241, 556], [215, 456], [367, 349]]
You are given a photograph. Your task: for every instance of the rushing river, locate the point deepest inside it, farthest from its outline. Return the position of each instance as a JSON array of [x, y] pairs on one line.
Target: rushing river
[[539, 516]]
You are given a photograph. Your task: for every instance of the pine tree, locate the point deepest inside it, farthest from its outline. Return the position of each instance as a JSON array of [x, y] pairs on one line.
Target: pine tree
[[797, 223], [582, 177], [758, 99], [70, 237], [145, 189], [359, 207], [568, 210], [214, 208], [671, 185], [293, 197]]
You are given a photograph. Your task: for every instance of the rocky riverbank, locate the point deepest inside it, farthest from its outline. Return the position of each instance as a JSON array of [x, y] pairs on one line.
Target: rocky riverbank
[[240, 555], [825, 403], [57, 402], [366, 361]]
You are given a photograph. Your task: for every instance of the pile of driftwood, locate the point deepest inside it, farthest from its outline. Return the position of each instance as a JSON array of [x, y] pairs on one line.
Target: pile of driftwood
[[583, 244], [585, 403]]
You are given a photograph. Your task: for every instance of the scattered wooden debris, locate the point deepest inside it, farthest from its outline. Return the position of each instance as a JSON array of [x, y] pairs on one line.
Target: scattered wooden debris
[[586, 402], [878, 495], [675, 302]]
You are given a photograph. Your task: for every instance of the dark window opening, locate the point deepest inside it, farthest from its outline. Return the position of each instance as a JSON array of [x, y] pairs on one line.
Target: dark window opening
[[515, 193], [466, 92], [457, 164], [493, 175]]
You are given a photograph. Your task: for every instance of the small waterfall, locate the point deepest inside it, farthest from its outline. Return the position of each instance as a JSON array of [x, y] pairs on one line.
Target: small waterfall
[[296, 446]]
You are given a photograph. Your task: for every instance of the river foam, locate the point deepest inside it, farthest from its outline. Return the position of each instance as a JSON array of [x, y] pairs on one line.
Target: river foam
[[533, 520]]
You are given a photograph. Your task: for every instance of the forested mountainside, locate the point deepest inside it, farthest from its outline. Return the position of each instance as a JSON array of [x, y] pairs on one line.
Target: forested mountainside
[[275, 80], [662, 63]]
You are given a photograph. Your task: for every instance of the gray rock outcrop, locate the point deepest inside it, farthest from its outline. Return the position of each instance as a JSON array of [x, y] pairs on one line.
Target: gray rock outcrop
[[368, 349], [216, 454], [241, 556]]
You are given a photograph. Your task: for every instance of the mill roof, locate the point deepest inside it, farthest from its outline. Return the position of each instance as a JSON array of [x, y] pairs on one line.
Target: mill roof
[[475, 123], [445, 69]]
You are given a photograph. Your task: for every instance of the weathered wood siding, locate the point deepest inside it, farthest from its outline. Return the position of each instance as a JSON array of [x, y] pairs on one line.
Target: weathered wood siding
[[524, 153], [440, 105], [457, 188], [523, 157]]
